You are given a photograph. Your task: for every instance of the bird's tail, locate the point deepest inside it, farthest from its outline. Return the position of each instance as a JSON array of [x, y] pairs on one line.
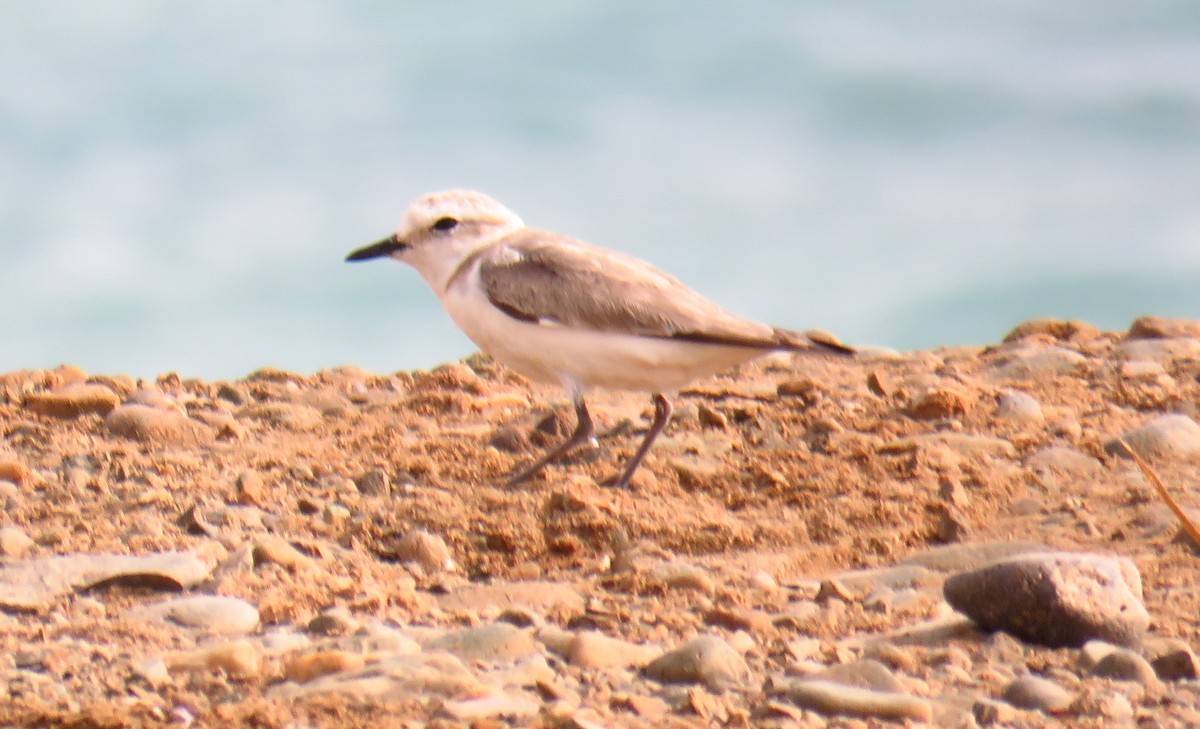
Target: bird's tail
[[814, 341]]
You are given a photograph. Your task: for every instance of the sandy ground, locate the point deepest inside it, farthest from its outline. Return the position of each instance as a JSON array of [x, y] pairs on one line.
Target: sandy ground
[[371, 498]]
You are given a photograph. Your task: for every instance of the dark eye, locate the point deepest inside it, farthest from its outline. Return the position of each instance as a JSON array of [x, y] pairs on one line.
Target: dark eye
[[445, 224]]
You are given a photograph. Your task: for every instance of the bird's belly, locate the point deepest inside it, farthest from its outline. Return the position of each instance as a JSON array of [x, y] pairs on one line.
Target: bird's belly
[[551, 353]]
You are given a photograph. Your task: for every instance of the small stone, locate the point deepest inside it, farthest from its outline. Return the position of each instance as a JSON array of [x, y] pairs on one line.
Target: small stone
[[1063, 460], [710, 417], [240, 658], [73, 401], [591, 649], [1049, 328], [305, 668], [952, 525], [955, 557], [988, 712], [831, 698], [212, 613], [1038, 362], [332, 621], [1158, 327], [865, 673], [1056, 599], [1123, 664], [14, 542], [496, 704], [374, 483], [1017, 405], [250, 488], [287, 415], [708, 660], [1173, 659], [492, 642], [1093, 652], [540, 595], [1163, 437], [151, 425], [749, 620], [939, 402], [1038, 694], [427, 550], [32, 584], [1110, 705], [280, 551]]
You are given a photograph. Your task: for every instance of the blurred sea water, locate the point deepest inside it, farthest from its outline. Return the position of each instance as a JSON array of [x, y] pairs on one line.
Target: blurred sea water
[[179, 182]]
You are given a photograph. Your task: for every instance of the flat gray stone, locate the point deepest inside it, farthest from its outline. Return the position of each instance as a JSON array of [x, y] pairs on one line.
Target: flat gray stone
[[436, 674], [492, 642], [1123, 664], [36, 583], [1038, 694], [539, 595], [1037, 363], [153, 425], [1163, 437], [212, 613], [832, 698], [1054, 598], [969, 555], [707, 660], [1018, 406], [1064, 460]]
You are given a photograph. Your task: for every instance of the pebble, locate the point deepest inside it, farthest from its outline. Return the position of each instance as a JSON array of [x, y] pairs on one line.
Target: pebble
[[1159, 327], [434, 675], [374, 483], [305, 668], [427, 550], [492, 642], [213, 613], [1017, 405], [1064, 460], [1054, 598], [592, 649], [955, 557], [1162, 437], [1158, 350], [1173, 659], [1038, 694], [73, 401], [35, 583], [280, 551], [962, 444], [14, 542], [151, 425], [239, 658], [287, 415], [829, 697], [540, 596], [707, 660], [865, 673], [1123, 664], [1036, 363], [513, 707]]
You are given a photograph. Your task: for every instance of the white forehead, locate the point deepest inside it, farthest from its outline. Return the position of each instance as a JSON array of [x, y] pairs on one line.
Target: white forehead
[[462, 205]]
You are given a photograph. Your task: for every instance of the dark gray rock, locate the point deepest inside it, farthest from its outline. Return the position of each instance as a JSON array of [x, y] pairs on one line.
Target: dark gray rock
[[1055, 599]]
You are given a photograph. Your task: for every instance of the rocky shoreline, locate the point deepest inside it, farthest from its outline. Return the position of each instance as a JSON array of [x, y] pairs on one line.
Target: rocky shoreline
[[949, 537]]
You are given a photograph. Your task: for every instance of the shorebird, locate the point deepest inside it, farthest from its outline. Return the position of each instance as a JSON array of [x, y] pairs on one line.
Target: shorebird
[[560, 310]]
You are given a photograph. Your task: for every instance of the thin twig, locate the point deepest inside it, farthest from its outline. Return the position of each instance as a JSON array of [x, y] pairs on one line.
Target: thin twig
[[1188, 525]]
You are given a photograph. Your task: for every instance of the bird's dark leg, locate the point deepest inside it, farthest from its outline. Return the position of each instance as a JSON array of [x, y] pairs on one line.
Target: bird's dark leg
[[583, 433], [662, 415]]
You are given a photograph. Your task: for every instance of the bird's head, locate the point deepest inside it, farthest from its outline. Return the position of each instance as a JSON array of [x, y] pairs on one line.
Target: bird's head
[[440, 230]]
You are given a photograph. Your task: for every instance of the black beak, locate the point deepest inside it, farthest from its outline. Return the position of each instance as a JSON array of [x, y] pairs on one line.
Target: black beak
[[385, 247]]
